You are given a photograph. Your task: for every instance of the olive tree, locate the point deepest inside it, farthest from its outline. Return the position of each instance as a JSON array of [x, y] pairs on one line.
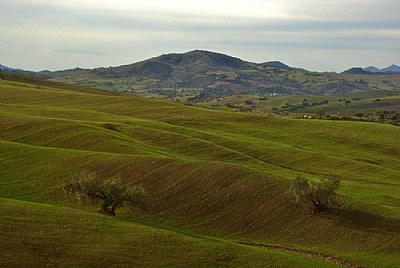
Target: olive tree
[[110, 193], [321, 195]]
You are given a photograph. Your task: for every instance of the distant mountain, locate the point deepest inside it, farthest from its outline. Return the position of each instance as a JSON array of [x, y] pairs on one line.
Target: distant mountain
[[5, 68], [181, 65], [357, 70], [16, 71], [276, 64], [210, 74], [371, 69], [391, 69]]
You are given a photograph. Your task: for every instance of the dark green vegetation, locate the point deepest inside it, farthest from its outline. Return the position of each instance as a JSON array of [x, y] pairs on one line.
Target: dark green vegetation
[[220, 174]]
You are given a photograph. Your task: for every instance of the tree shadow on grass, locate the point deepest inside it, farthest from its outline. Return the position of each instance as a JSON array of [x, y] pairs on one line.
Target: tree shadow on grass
[[365, 221]]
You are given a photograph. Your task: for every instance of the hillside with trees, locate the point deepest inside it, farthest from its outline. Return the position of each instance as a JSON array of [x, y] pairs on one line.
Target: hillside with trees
[[217, 184], [211, 74]]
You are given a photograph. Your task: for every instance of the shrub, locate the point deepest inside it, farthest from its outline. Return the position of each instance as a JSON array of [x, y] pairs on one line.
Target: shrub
[[110, 126]]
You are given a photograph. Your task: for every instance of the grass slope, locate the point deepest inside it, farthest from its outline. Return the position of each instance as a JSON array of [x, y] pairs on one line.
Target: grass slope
[[221, 173], [62, 237]]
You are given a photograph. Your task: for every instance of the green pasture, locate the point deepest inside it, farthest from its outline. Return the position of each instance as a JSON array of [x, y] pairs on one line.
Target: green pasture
[[217, 173], [64, 237]]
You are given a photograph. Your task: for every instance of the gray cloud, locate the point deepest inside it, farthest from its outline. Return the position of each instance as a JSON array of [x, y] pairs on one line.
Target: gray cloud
[[37, 35]]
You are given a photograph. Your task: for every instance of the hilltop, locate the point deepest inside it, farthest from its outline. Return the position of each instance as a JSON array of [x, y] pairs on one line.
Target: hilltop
[[220, 81], [5, 68], [204, 74], [357, 70], [277, 64], [393, 69]]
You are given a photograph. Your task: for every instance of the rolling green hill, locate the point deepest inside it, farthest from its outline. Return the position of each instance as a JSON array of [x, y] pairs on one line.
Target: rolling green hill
[[220, 174], [65, 237]]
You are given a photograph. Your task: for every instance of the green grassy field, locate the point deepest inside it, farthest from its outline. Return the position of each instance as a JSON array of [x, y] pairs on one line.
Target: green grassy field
[[220, 174], [63, 237]]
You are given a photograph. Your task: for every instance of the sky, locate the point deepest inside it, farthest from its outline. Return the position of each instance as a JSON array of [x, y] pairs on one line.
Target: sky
[[318, 35]]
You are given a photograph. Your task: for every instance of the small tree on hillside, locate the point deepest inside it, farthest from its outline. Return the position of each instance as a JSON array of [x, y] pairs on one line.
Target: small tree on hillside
[[321, 194], [320, 113], [110, 193]]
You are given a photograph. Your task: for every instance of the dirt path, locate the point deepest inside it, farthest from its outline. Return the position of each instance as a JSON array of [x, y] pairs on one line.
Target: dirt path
[[305, 253]]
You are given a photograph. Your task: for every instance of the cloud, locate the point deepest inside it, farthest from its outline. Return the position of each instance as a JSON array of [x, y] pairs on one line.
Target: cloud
[[235, 8], [94, 33], [350, 10]]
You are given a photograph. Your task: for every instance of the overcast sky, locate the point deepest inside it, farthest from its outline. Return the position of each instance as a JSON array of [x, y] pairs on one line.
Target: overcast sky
[[321, 35]]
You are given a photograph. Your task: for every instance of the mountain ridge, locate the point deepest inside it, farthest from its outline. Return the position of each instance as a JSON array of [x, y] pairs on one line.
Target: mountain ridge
[[207, 75], [390, 69], [5, 68], [230, 61], [277, 64], [212, 74]]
